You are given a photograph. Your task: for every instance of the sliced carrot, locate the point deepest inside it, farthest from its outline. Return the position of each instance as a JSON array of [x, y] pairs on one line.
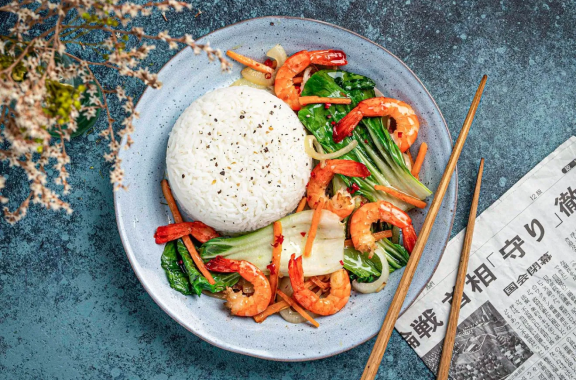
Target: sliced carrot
[[419, 159], [277, 240], [297, 307], [402, 196], [186, 239], [377, 235], [321, 284], [297, 80], [313, 228], [250, 62], [301, 205], [317, 99], [272, 309]]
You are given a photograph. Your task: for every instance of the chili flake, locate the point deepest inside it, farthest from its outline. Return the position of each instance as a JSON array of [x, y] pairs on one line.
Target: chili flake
[[271, 268], [354, 188], [303, 234], [279, 239], [327, 105], [341, 262]]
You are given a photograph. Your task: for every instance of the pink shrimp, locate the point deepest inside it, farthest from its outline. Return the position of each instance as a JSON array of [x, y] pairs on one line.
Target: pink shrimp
[[363, 218], [407, 124], [238, 303], [341, 203], [332, 303], [284, 83]]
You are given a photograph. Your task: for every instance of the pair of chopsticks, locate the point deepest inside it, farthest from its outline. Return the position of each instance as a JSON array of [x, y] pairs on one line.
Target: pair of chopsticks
[[375, 358]]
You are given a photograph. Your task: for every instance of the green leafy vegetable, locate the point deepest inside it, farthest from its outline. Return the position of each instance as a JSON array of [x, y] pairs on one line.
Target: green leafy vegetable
[[364, 269], [176, 277], [199, 282], [375, 149], [255, 247]]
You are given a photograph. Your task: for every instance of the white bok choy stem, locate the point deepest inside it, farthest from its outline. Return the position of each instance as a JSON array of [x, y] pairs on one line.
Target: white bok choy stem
[[327, 252]]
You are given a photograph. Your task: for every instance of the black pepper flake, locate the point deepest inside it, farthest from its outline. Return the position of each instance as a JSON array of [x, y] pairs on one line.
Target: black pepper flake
[[216, 164], [222, 172], [183, 175], [271, 112], [266, 150], [241, 116], [216, 120], [219, 191], [209, 133]]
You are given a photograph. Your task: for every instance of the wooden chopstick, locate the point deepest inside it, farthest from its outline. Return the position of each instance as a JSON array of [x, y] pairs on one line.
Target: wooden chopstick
[[375, 358], [448, 346]]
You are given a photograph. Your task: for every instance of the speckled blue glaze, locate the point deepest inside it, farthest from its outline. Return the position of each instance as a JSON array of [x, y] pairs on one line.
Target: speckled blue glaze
[[139, 210], [71, 306]]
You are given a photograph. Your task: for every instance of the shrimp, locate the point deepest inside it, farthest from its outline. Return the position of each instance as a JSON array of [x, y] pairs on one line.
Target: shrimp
[[407, 124], [341, 203], [284, 83], [363, 218], [238, 303], [332, 303]]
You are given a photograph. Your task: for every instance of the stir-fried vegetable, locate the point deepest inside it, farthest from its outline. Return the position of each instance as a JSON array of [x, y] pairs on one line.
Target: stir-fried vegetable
[[365, 269], [375, 149], [255, 247], [184, 276]]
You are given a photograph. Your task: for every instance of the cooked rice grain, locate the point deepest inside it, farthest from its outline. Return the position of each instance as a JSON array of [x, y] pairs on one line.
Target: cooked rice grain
[[236, 160]]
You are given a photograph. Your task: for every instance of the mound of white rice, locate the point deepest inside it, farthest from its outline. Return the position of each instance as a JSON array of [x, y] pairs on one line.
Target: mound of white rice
[[236, 160]]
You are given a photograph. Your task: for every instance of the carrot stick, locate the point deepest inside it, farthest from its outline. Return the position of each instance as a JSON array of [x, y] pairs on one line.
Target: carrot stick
[[377, 235], [272, 309], [297, 307], [276, 307], [301, 205], [322, 285], [250, 62], [419, 159], [313, 228], [297, 80], [317, 99], [276, 253], [186, 239], [403, 197]]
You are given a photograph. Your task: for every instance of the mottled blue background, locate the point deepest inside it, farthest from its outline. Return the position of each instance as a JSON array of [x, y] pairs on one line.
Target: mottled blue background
[[70, 305]]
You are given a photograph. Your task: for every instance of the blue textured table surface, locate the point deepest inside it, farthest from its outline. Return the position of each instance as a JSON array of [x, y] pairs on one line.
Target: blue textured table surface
[[71, 307]]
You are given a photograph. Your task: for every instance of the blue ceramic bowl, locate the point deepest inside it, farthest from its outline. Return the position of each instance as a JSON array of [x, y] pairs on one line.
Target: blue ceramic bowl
[[140, 209]]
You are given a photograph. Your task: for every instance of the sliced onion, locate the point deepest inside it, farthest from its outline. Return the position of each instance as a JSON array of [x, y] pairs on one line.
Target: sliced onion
[[262, 79], [289, 315], [278, 54], [311, 151], [307, 74], [380, 283], [245, 82], [407, 161]]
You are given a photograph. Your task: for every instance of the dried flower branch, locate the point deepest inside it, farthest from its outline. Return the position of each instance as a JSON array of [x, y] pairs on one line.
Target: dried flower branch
[[44, 89]]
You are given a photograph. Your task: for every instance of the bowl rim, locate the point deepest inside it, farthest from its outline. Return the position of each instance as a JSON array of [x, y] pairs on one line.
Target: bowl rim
[[126, 244]]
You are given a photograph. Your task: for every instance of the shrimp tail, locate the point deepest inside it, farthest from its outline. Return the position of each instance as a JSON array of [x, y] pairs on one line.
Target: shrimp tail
[[328, 57], [220, 264], [409, 237], [345, 126], [350, 168], [296, 272]]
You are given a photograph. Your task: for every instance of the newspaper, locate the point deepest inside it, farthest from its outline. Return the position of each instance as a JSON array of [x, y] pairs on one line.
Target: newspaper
[[518, 313]]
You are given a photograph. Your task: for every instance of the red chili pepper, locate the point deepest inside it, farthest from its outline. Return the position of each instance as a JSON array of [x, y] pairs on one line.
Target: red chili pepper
[[327, 105], [303, 234], [269, 63], [366, 141], [329, 116], [198, 230], [400, 134], [279, 240], [354, 188], [268, 76], [333, 123], [271, 268], [341, 262], [312, 174]]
